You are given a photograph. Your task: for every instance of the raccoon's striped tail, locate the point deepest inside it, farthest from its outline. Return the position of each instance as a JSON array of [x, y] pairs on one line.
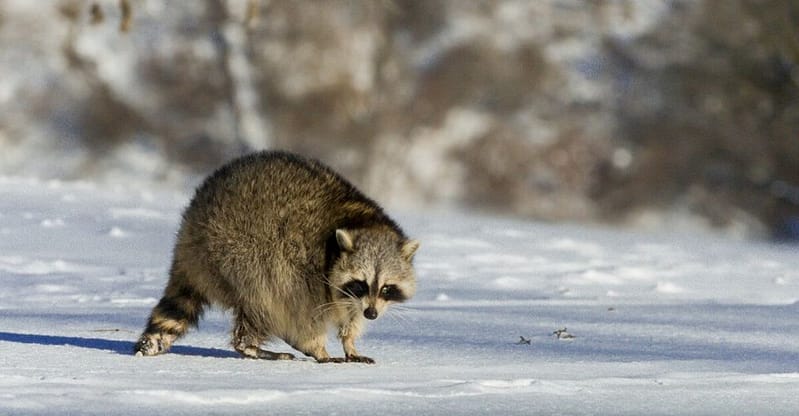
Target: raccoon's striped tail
[[179, 309]]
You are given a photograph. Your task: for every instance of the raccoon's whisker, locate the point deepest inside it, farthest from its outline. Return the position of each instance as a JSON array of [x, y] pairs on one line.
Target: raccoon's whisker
[[405, 315], [331, 285], [404, 309], [331, 304], [398, 318], [327, 307], [394, 315], [343, 292], [398, 314], [320, 313]]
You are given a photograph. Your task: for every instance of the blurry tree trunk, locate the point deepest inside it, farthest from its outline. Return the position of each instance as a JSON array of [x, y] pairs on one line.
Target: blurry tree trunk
[[251, 128]]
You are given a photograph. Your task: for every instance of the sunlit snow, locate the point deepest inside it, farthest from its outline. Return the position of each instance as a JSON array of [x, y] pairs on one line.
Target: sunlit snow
[[661, 324]]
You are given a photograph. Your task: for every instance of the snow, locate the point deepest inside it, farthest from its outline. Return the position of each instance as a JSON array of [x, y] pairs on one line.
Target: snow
[[662, 323]]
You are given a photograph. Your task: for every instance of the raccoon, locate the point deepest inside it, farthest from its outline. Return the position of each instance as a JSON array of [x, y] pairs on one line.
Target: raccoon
[[293, 249]]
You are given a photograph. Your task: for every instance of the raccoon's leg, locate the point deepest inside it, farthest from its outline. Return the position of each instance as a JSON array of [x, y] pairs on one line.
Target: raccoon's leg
[[348, 334], [247, 341], [179, 309]]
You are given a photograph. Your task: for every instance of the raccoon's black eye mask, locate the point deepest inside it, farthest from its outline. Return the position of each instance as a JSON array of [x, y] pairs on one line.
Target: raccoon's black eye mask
[[356, 288], [392, 293], [359, 289]]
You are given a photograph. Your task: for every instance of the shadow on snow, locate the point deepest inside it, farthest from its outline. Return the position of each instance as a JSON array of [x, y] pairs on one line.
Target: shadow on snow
[[119, 347]]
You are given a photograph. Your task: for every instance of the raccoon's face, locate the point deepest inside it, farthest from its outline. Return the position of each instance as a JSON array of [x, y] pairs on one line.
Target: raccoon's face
[[374, 270]]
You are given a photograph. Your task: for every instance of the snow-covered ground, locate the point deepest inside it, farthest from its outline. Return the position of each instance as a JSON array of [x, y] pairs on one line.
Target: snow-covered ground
[[662, 324]]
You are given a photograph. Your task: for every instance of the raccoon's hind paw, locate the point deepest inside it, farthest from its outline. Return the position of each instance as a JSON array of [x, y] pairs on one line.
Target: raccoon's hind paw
[[269, 355], [151, 344], [359, 359], [255, 352], [336, 360], [347, 359]]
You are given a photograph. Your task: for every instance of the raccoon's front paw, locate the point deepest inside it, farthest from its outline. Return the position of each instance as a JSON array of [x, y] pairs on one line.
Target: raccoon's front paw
[[359, 359]]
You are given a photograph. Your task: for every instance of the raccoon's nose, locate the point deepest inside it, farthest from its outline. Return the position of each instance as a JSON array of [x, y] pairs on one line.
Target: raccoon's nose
[[370, 313]]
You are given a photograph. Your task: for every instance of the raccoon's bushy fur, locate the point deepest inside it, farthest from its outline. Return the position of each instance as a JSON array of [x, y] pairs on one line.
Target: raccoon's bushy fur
[[293, 249]]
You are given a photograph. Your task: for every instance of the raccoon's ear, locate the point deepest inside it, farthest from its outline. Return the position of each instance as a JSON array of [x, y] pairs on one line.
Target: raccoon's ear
[[408, 249], [344, 240]]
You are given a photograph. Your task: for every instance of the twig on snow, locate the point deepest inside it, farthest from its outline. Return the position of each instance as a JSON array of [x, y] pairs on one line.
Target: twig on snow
[[562, 334]]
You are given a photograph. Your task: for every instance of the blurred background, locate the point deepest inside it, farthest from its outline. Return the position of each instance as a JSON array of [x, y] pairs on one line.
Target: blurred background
[[647, 113]]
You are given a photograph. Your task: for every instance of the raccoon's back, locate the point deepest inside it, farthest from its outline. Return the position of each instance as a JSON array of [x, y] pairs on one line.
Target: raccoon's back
[[267, 192], [269, 215]]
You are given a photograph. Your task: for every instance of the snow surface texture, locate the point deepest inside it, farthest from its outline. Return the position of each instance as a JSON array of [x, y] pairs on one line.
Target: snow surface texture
[[661, 324]]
